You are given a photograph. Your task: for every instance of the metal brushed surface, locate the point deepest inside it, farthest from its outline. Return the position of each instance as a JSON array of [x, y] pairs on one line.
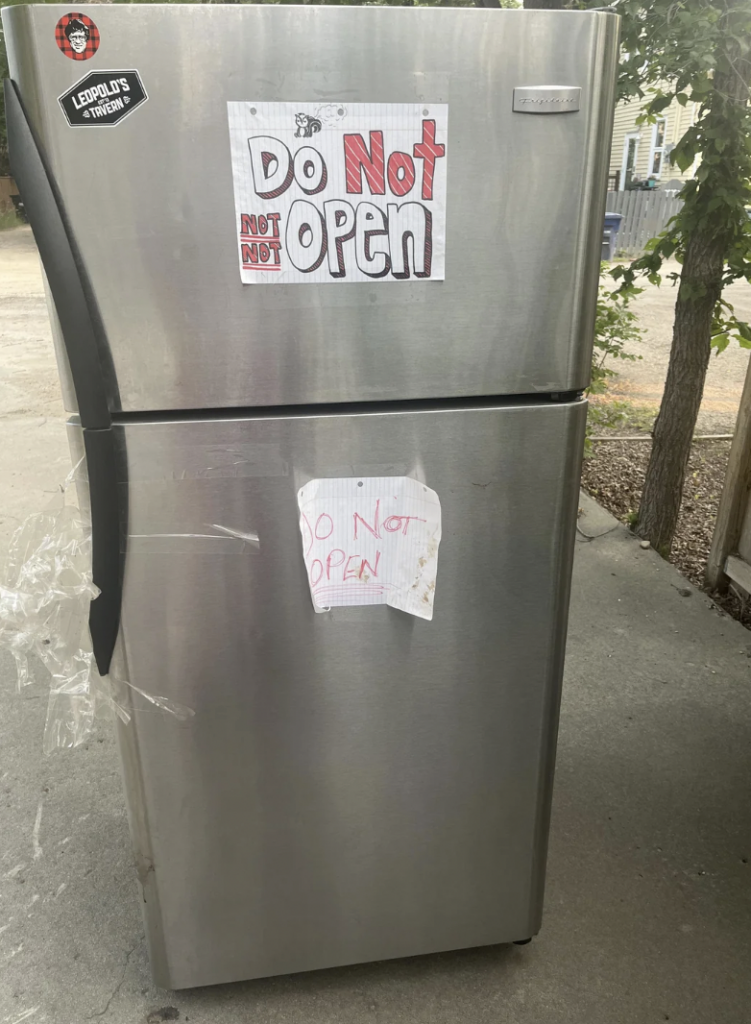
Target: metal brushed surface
[[150, 201], [359, 784]]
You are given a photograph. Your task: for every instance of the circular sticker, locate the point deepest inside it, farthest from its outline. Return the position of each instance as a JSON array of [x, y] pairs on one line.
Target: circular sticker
[[77, 36]]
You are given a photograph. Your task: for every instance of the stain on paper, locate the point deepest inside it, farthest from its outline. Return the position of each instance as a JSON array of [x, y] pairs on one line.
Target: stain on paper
[[371, 540]]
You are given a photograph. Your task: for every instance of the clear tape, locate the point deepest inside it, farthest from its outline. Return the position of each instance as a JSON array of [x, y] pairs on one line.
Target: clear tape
[[225, 541], [45, 592]]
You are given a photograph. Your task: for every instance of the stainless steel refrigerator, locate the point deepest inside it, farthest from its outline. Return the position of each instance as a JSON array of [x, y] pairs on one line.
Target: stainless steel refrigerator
[[291, 251]]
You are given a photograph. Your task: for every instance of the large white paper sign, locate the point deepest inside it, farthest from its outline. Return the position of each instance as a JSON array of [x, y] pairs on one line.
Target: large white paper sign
[[339, 192], [371, 540]]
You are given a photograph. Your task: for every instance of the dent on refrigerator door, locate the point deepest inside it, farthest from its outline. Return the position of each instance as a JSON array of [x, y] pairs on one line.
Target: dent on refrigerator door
[[46, 588]]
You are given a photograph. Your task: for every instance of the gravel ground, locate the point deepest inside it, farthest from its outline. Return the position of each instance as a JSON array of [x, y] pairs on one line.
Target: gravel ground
[[642, 382], [614, 474]]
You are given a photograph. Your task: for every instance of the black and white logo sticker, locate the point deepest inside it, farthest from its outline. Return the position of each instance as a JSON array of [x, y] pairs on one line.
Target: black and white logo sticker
[[103, 98]]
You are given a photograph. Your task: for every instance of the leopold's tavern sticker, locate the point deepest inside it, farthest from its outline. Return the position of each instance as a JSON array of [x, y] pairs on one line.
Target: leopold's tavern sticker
[[103, 98]]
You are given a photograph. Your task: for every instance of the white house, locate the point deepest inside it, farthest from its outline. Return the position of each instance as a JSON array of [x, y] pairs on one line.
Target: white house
[[641, 151]]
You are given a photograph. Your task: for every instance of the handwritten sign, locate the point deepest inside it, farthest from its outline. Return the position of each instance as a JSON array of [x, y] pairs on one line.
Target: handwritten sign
[[371, 540], [339, 192]]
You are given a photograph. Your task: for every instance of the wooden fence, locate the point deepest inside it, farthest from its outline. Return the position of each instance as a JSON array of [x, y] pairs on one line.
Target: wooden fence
[[730, 553], [645, 214]]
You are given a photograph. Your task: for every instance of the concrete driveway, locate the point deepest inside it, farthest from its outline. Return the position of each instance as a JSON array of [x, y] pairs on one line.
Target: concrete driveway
[[648, 913]]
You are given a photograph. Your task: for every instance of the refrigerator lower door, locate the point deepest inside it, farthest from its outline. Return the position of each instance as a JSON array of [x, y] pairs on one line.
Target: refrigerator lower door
[[359, 784]]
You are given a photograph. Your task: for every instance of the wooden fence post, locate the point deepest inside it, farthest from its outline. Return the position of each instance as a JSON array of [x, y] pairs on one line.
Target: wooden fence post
[[735, 495], [645, 214]]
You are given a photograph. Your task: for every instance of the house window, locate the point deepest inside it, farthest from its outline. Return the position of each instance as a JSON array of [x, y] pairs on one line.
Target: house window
[[630, 156], [657, 154]]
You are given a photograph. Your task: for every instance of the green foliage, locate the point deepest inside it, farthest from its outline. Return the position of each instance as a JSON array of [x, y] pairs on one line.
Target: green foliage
[[697, 51], [606, 416], [8, 219], [615, 326]]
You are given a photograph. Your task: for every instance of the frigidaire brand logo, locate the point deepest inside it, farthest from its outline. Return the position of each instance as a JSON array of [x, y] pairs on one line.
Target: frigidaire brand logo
[[546, 99], [553, 99]]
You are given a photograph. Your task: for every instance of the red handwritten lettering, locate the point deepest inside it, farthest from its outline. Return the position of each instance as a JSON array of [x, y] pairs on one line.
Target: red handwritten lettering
[[371, 570], [401, 173], [319, 527], [396, 523], [316, 579], [429, 150], [357, 159], [256, 253], [350, 574], [334, 565], [375, 528], [257, 225]]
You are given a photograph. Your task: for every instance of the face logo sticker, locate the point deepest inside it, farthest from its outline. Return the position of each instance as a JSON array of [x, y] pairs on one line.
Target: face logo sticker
[[77, 36], [103, 98]]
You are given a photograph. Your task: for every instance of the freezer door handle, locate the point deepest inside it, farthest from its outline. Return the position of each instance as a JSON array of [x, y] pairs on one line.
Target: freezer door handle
[[86, 348], [107, 531]]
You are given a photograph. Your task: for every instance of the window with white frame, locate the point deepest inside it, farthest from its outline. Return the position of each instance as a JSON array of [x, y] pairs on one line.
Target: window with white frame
[[657, 151]]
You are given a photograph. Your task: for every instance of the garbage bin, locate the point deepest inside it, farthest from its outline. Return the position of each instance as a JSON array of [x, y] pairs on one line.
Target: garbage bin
[[612, 227]]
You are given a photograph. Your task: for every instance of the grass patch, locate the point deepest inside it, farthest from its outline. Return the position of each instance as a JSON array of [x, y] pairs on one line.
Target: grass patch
[[617, 416], [9, 220]]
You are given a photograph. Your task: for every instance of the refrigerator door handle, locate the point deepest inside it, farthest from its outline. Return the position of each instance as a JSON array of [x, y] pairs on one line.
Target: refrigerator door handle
[[107, 551], [86, 347]]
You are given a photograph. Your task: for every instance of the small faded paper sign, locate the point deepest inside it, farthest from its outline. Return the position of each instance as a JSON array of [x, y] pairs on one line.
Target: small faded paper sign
[[371, 540]]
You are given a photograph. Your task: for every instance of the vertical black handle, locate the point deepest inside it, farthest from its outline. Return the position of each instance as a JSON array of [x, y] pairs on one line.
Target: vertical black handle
[[87, 350], [106, 556]]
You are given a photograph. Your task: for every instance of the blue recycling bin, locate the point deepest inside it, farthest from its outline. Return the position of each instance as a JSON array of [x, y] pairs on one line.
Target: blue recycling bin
[[610, 230]]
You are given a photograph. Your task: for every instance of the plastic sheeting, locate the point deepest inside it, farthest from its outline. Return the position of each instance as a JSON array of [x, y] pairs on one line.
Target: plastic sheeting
[[45, 591]]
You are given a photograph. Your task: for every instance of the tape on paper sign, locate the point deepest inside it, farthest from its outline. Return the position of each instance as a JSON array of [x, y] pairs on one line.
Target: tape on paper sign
[[339, 192], [371, 540]]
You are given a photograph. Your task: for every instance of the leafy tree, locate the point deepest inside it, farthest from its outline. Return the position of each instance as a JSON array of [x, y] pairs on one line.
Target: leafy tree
[[693, 51]]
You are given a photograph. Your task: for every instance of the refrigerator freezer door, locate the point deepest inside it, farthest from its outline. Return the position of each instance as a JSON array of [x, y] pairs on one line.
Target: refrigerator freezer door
[[356, 784], [149, 199]]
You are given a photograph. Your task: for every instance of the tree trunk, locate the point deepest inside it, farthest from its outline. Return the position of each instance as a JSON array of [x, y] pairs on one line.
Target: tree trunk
[[702, 272], [689, 358]]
